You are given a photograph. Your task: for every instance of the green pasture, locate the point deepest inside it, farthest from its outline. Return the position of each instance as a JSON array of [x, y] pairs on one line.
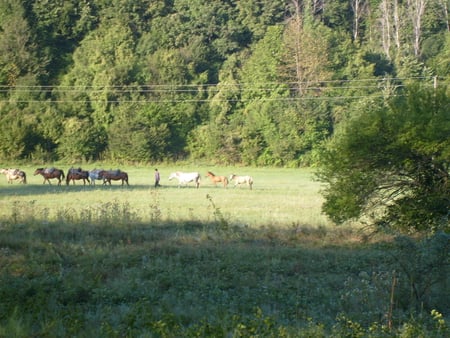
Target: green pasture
[[280, 197], [135, 261]]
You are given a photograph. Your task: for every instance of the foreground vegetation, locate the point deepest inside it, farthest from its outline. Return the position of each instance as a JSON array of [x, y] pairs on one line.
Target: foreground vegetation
[[114, 268]]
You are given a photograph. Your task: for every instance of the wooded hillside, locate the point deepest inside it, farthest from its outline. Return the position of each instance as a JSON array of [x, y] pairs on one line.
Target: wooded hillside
[[255, 82]]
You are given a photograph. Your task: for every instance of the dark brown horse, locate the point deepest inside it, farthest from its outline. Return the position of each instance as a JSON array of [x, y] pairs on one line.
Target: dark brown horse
[[114, 175], [50, 173], [77, 174], [217, 179]]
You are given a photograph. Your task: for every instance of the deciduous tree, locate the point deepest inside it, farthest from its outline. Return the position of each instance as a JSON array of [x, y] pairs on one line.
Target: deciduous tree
[[391, 163]]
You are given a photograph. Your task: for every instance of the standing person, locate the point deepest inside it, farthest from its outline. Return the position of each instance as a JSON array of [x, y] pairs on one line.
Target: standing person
[[157, 178]]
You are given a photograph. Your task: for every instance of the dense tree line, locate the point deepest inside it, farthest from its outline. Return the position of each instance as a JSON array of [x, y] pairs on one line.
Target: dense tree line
[[260, 82]]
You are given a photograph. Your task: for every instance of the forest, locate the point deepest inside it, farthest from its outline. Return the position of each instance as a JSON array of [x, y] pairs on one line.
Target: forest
[[251, 82]]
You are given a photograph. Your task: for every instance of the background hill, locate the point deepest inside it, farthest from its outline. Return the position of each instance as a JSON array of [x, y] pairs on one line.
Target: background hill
[[229, 82]]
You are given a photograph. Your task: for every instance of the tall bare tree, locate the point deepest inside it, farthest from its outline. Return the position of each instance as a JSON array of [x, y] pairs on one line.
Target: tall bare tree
[[359, 8], [306, 58], [416, 10], [390, 26]]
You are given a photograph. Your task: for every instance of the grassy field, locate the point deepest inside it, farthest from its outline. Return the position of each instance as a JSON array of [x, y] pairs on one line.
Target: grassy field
[[113, 261], [280, 197]]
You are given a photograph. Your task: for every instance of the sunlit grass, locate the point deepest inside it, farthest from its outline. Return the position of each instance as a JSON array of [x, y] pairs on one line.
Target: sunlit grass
[[280, 197]]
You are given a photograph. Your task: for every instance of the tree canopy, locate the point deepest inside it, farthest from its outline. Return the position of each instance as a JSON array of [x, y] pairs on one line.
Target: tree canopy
[[252, 82]]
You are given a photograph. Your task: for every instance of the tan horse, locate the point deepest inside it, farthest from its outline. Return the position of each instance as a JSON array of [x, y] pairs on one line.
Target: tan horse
[[217, 179], [14, 174], [50, 173]]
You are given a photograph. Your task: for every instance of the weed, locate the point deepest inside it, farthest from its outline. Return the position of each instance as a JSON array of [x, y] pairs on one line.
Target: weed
[[221, 224], [425, 267], [155, 208]]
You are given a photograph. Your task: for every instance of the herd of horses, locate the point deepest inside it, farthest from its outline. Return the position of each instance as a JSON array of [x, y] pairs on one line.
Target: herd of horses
[[106, 176], [73, 174], [185, 178]]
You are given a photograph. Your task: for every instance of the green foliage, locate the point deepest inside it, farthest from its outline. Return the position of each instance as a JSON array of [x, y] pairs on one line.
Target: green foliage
[[19, 55], [81, 141], [439, 60], [16, 140], [214, 67], [138, 134], [391, 162], [257, 16]]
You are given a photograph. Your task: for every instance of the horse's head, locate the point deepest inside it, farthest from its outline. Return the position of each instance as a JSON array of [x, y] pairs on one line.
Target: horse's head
[[172, 176], [232, 176], [38, 171]]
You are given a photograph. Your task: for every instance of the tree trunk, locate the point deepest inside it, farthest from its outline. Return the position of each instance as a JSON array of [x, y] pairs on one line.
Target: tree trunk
[[416, 9]]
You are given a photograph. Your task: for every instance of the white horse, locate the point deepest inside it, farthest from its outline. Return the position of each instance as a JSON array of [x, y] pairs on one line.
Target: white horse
[[185, 178], [14, 174], [238, 180], [94, 174]]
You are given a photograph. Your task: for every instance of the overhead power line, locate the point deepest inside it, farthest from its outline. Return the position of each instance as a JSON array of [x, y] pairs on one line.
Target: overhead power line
[[322, 90]]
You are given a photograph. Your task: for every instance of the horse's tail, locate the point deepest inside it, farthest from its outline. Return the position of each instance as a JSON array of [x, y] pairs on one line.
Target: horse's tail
[[67, 178], [250, 182], [63, 176], [24, 177]]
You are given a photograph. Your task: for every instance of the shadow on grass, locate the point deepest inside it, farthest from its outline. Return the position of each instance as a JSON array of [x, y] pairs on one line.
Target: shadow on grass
[[38, 189], [128, 274]]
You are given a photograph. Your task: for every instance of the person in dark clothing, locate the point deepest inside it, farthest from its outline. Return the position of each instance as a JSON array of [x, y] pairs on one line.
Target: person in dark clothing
[[157, 178]]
